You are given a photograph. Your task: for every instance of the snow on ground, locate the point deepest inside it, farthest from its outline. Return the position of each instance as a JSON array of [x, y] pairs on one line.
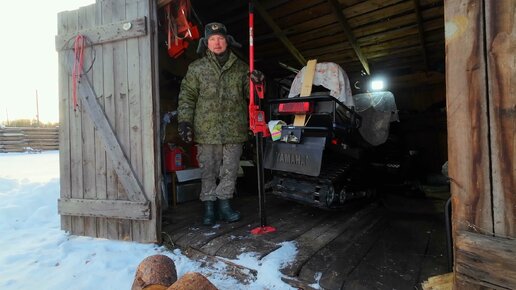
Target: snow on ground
[[36, 254]]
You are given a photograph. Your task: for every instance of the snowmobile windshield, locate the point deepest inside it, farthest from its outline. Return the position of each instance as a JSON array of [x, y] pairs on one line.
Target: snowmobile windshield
[[378, 110]]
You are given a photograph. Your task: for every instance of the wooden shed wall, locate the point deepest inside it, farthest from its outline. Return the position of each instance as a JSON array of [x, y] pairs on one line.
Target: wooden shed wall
[[481, 103], [121, 84]]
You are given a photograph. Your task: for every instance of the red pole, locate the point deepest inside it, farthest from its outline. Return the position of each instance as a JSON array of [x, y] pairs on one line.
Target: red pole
[[257, 122], [259, 127], [251, 51]]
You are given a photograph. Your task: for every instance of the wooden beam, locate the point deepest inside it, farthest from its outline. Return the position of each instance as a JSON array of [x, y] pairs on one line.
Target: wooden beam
[[501, 43], [306, 89], [279, 33], [120, 209], [105, 33], [486, 260], [421, 30], [417, 79], [468, 126], [113, 148], [337, 11], [162, 3]]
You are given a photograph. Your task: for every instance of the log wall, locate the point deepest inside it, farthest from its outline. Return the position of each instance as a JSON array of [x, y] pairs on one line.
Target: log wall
[[22, 139]]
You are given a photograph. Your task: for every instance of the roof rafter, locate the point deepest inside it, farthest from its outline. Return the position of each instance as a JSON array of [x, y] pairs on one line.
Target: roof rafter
[[279, 33], [421, 31], [337, 11]]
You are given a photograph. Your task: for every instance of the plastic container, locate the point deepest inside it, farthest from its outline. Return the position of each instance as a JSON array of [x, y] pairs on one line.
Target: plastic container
[[174, 158]]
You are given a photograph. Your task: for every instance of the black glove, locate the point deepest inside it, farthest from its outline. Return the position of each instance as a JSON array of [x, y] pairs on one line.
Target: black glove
[[185, 131], [257, 77]]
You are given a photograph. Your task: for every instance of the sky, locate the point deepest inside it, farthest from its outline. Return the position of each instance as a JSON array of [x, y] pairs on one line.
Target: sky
[[28, 58], [37, 254]]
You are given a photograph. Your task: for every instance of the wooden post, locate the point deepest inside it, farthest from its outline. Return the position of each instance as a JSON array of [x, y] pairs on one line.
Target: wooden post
[[481, 102]]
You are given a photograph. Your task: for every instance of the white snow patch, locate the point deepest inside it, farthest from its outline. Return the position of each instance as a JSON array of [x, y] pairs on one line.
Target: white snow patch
[[36, 254]]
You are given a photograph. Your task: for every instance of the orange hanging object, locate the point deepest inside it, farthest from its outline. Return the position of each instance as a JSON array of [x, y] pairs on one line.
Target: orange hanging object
[[180, 30], [77, 67]]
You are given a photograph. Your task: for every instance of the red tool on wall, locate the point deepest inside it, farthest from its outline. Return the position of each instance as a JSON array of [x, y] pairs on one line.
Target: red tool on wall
[[258, 125], [180, 31]]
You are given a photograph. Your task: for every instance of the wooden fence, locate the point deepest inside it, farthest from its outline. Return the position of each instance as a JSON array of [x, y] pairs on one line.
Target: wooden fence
[[21, 139]]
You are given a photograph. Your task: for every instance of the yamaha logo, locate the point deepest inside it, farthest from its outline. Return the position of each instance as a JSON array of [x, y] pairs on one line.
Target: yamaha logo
[[215, 26], [292, 159]]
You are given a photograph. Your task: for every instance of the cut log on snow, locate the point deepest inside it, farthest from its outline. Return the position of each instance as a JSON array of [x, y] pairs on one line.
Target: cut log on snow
[[192, 281], [155, 271], [155, 287]]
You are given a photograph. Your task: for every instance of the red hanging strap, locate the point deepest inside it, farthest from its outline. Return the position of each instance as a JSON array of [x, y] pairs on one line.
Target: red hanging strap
[[77, 66], [180, 31]]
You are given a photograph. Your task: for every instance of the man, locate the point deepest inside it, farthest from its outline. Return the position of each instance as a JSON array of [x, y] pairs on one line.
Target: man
[[213, 113]]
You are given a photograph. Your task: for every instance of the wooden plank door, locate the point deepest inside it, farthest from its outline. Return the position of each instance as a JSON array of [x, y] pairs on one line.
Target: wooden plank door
[[108, 142], [481, 103]]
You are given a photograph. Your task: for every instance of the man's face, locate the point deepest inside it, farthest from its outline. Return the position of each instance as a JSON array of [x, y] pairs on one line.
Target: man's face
[[217, 44]]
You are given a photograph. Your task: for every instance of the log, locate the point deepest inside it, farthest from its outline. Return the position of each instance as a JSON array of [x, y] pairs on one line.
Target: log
[[155, 287], [440, 282], [154, 271], [192, 281], [485, 260]]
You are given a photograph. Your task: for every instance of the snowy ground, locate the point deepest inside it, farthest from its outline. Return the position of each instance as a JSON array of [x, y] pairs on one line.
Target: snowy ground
[[36, 254]]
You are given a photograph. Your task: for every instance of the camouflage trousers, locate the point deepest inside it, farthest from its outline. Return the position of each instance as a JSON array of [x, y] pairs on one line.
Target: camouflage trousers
[[218, 162]]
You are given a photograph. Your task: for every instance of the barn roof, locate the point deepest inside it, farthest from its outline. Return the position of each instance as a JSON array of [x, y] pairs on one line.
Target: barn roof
[[402, 38]]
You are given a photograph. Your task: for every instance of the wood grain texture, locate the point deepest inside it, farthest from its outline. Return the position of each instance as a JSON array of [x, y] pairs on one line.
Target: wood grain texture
[[480, 65], [108, 125], [279, 34], [86, 21], [111, 143], [501, 45], [150, 114], [119, 209], [466, 90], [109, 109], [76, 143], [64, 128], [486, 260], [121, 126], [105, 33], [387, 242], [343, 21], [100, 152]]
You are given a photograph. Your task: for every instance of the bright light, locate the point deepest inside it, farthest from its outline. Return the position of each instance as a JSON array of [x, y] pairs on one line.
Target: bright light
[[377, 85]]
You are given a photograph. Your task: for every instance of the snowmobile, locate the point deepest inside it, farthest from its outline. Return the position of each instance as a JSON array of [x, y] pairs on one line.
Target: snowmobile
[[324, 163]]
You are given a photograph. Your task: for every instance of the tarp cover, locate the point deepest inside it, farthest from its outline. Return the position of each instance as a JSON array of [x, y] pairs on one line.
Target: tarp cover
[[378, 110], [329, 75]]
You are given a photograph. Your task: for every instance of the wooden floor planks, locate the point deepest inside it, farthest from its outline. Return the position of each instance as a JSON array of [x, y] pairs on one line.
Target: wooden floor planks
[[340, 257], [372, 246]]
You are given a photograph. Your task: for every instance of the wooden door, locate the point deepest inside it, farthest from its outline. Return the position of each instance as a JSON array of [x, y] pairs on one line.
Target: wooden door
[[108, 142], [481, 109]]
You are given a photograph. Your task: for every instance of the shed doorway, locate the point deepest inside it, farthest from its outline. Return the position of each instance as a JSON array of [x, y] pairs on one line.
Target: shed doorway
[[398, 240]]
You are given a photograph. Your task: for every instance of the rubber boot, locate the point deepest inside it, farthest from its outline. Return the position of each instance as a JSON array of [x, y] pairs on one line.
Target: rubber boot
[[226, 213], [209, 213]]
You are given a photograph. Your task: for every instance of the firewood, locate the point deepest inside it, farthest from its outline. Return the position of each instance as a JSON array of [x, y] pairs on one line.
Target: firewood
[[155, 287], [192, 281], [156, 270]]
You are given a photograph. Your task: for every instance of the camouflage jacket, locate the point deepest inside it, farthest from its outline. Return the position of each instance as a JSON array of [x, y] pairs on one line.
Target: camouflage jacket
[[214, 100]]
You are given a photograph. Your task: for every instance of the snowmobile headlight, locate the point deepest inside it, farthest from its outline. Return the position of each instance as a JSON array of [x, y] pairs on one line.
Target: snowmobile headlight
[[377, 84]]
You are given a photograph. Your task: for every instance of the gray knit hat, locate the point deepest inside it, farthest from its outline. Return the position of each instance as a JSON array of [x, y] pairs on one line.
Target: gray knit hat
[[212, 29]]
